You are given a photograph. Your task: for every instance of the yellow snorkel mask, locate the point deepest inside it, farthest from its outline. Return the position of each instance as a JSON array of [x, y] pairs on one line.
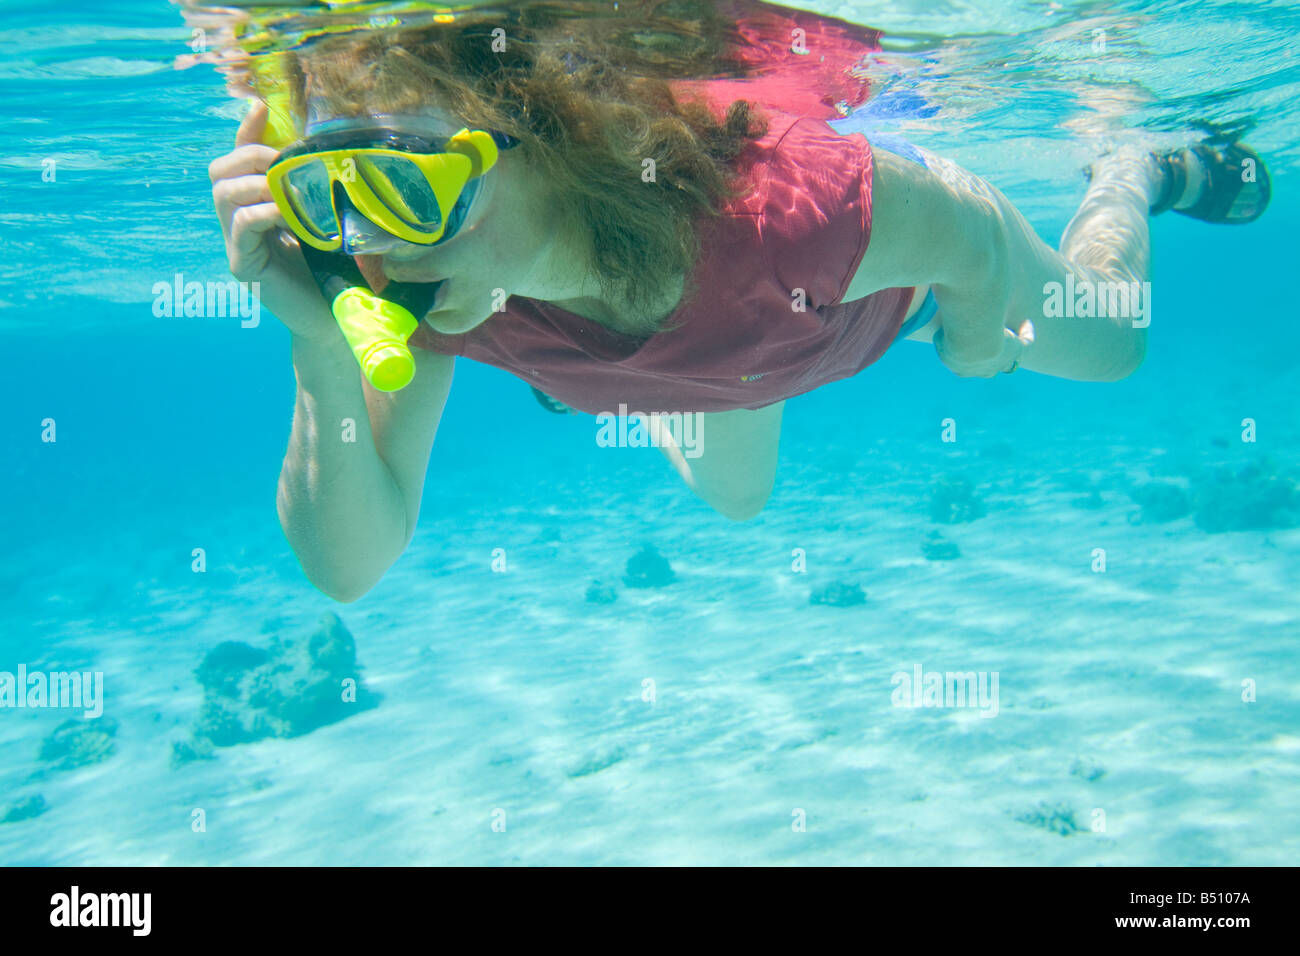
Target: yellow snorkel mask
[[410, 184], [364, 187]]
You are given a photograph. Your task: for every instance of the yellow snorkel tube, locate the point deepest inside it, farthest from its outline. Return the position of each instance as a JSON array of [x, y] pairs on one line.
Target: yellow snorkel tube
[[376, 327]]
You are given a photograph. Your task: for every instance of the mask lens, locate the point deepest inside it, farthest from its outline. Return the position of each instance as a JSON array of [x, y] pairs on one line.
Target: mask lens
[[401, 187], [456, 217], [307, 187]]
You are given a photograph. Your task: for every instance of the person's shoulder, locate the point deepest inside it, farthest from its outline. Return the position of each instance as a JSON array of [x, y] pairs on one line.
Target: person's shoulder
[[812, 146], [791, 141], [801, 161], [813, 201]]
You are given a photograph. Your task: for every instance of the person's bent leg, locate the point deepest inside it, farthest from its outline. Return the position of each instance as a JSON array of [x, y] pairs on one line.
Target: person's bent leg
[[1096, 308], [1109, 234], [988, 267], [1101, 298], [733, 466]]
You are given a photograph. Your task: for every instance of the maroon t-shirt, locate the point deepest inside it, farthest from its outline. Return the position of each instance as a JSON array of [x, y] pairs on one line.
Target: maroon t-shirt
[[742, 337]]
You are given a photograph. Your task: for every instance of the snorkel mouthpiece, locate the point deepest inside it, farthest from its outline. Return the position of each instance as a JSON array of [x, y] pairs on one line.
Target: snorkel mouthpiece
[[376, 327]]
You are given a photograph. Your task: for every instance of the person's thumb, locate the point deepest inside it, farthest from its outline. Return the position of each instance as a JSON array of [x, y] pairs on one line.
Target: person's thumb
[[253, 127]]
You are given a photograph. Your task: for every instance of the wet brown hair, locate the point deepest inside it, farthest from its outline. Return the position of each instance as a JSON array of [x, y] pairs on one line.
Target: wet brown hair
[[588, 103]]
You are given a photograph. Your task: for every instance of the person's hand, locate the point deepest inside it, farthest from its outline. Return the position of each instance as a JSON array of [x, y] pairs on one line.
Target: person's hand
[[1006, 360], [258, 244]]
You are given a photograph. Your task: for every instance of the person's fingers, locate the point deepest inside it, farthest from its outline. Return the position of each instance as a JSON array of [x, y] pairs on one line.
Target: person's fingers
[[244, 161], [249, 225], [1012, 346], [229, 194], [959, 365], [253, 127]]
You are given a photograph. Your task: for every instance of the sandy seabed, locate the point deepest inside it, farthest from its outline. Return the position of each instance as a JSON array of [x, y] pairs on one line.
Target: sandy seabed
[[699, 722]]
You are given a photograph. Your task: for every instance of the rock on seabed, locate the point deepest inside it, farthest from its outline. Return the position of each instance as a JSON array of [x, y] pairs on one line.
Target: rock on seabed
[[294, 686], [648, 569]]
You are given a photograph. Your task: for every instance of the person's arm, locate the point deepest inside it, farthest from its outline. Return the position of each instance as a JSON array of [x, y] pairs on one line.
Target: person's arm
[[949, 229], [349, 507], [349, 490]]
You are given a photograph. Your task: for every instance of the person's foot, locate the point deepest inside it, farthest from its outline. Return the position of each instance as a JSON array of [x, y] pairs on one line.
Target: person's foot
[[1220, 184], [1192, 181]]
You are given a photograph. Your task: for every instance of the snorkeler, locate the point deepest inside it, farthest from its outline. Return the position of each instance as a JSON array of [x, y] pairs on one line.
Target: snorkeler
[[612, 244]]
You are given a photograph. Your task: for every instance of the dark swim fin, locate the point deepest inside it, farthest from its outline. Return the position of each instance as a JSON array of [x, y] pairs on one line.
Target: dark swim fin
[[1237, 184]]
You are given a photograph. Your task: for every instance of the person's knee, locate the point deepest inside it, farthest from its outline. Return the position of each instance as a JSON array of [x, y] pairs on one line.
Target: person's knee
[[745, 508], [1131, 358]]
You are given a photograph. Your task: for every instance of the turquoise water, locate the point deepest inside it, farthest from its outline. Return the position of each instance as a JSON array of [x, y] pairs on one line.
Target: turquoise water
[[1163, 692]]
